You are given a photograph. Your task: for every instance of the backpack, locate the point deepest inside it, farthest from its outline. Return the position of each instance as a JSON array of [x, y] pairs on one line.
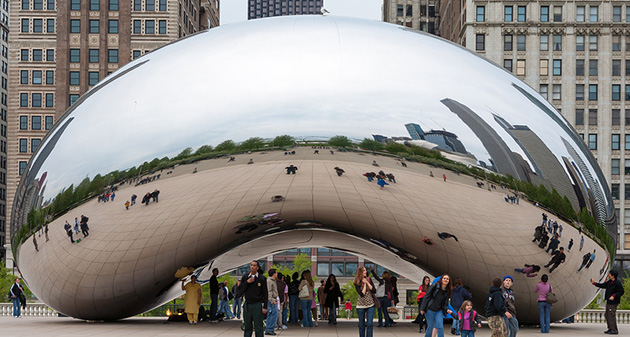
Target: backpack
[[230, 295]]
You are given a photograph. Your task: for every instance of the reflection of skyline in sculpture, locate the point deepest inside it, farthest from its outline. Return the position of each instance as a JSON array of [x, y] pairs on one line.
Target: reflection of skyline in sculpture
[[501, 156], [445, 141], [415, 131], [586, 179]]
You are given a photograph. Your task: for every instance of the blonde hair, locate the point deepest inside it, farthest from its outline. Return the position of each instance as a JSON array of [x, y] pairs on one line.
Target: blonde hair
[[358, 276]]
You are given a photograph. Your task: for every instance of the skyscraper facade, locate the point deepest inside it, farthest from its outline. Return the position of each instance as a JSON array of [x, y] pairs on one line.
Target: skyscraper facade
[[4, 93], [577, 55], [60, 49], [417, 14], [267, 8]]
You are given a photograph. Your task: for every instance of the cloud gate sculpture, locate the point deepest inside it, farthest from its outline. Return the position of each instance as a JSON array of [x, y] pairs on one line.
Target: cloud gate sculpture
[[313, 78]]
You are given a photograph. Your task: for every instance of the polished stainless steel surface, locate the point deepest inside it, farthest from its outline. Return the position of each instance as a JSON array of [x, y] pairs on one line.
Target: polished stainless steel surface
[[311, 77]]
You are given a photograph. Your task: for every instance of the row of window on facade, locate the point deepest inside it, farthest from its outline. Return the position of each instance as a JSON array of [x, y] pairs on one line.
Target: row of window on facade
[[36, 122], [36, 100], [94, 26], [593, 70], [339, 269], [95, 5], [554, 13], [423, 10], [24, 144], [74, 77], [580, 42], [37, 55], [556, 93], [592, 117]]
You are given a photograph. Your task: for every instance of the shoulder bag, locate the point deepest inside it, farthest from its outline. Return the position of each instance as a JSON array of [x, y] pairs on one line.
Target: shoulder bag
[[551, 297]]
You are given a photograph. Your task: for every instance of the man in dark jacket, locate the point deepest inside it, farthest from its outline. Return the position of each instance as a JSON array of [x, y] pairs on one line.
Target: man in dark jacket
[[614, 291], [495, 309], [16, 292], [254, 289], [214, 295], [508, 298], [557, 259]]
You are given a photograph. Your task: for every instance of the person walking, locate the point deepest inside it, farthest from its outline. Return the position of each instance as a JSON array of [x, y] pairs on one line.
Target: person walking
[[590, 259], [16, 292], [426, 283], [253, 288], [306, 298], [495, 310], [321, 298], [585, 260], [365, 302], [238, 299], [46, 232], [614, 291], [294, 297], [544, 307], [460, 294], [557, 259], [272, 302], [192, 299], [508, 298], [435, 305], [469, 319], [384, 296], [224, 301], [333, 296]]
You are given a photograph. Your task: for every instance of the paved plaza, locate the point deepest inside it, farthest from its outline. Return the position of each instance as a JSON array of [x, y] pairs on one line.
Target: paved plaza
[[53, 326]]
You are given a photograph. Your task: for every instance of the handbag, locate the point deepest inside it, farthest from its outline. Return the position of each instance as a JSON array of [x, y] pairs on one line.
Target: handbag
[[393, 313], [377, 303], [304, 291], [551, 297]]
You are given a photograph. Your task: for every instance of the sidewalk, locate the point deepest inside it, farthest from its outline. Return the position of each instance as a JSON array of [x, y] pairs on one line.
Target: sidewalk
[[145, 326]]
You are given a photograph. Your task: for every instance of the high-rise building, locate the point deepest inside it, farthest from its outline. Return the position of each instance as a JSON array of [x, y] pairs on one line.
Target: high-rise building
[[266, 8], [415, 131], [417, 14], [4, 93], [60, 49], [577, 55]]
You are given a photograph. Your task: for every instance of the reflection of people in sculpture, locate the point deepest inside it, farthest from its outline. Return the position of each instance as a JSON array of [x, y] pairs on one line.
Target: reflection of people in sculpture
[[35, 243], [557, 259], [192, 299], [530, 270], [155, 194], [195, 170], [444, 177], [127, 205], [291, 169], [427, 240], [381, 182], [251, 161], [445, 235], [231, 159], [46, 232], [375, 163], [431, 174], [339, 171]]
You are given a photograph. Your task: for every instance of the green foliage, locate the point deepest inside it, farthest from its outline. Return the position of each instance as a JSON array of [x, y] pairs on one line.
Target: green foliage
[[6, 281], [252, 143], [203, 149], [625, 299], [283, 140], [397, 148], [594, 303], [339, 141], [301, 262], [185, 153], [370, 144], [226, 146], [350, 292]]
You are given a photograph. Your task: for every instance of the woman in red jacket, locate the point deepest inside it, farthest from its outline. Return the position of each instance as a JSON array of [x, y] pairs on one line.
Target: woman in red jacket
[[426, 283]]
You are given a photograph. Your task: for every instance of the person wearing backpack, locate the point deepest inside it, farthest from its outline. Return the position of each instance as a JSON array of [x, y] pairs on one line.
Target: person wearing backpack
[[15, 293], [224, 302], [614, 291], [468, 319]]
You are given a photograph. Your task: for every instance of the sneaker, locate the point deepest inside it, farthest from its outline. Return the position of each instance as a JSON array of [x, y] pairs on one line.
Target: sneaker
[[194, 323], [270, 333], [284, 327], [301, 325], [213, 321], [316, 324]]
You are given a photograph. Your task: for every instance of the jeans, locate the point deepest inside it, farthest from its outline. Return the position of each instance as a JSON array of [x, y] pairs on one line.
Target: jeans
[[236, 306], [455, 325], [285, 314], [382, 311], [366, 317], [307, 319], [272, 316], [213, 306], [294, 301], [435, 319], [332, 314], [512, 326], [16, 307], [224, 307], [468, 333], [544, 309]]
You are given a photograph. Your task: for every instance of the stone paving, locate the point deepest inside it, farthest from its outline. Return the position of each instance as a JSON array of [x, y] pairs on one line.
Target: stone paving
[[53, 326]]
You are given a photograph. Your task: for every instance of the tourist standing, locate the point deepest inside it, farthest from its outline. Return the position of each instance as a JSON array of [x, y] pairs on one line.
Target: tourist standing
[[321, 298], [544, 307], [508, 298], [384, 296], [365, 302], [16, 292], [469, 320], [306, 298], [348, 307], [272, 302], [214, 295], [333, 295], [495, 310], [460, 294], [614, 291], [224, 301], [254, 289], [435, 305], [192, 299], [426, 283], [237, 301], [294, 297]]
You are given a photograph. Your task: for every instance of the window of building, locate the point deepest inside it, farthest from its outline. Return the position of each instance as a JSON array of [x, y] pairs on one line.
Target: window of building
[[137, 5], [50, 55], [36, 100], [544, 42], [614, 189], [592, 117], [579, 92], [557, 92], [38, 25], [74, 78], [616, 117], [149, 5], [544, 13], [136, 54], [22, 166], [579, 67], [23, 100], [580, 14], [37, 77], [507, 64], [113, 27], [75, 5], [520, 42], [23, 145], [557, 42], [50, 102], [93, 55], [615, 166], [75, 26], [616, 13], [592, 42], [163, 5], [593, 13], [149, 27], [36, 122], [112, 55], [95, 5], [521, 13], [507, 42], [93, 77], [50, 77], [627, 117], [628, 67], [73, 98], [49, 122], [579, 116], [592, 142], [23, 76], [50, 25], [592, 92], [25, 25], [24, 55], [37, 55], [592, 67], [544, 91], [113, 5], [409, 10], [35, 144], [323, 268], [627, 97], [520, 67], [94, 26], [162, 27], [544, 67], [137, 27], [557, 13], [616, 42], [400, 10], [616, 92], [557, 67], [23, 122], [579, 42], [50, 5], [75, 55], [26, 4], [507, 13], [615, 140], [481, 42], [481, 13]]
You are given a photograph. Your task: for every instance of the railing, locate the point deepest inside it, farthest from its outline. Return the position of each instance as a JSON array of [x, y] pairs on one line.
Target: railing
[[597, 316], [32, 310]]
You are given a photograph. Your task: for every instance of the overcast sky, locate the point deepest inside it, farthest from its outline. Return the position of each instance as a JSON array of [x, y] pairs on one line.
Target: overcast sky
[[236, 10]]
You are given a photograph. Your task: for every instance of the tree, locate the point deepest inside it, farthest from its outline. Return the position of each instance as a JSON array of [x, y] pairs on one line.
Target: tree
[[340, 141], [252, 143], [301, 262], [350, 292], [185, 153], [393, 147], [283, 140], [370, 144], [625, 299], [226, 145], [203, 149], [6, 281]]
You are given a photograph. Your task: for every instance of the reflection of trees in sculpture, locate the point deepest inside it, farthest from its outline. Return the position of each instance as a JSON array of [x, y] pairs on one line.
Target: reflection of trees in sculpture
[[340, 141], [370, 144], [283, 140]]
